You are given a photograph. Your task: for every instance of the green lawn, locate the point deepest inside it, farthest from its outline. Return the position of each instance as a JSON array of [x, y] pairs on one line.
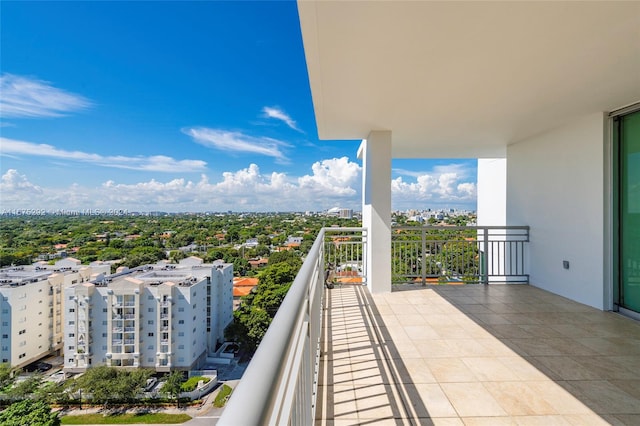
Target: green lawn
[[124, 419], [223, 395]]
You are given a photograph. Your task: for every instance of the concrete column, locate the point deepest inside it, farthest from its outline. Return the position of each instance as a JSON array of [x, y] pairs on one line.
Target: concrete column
[[492, 211], [492, 191], [375, 153]]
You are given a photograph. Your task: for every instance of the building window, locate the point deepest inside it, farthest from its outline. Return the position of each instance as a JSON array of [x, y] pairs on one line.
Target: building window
[[72, 323], [104, 323], [150, 322], [70, 360], [150, 310], [104, 334], [104, 347], [180, 321], [194, 306], [71, 348], [180, 346], [180, 333], [72, 335], [180, 309], [150, 334], [105, 310], [72, 310], [149, 359], [150, 297]]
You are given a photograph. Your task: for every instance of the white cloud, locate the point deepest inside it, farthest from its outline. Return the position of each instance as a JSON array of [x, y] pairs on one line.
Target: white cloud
[[446, 185], [16, 187], [154, 163], [332, 182], [278, 114], [24, 97], [338, 175], [237, 142]]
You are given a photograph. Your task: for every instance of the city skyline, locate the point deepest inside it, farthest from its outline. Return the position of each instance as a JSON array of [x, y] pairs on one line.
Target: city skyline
[[195, 106]]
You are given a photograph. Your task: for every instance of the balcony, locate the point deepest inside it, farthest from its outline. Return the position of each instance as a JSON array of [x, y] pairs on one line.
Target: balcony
[[432, 354]]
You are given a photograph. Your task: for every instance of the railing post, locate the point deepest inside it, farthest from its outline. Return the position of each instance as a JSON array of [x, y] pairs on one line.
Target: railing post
[[424, 257], [485, 258]]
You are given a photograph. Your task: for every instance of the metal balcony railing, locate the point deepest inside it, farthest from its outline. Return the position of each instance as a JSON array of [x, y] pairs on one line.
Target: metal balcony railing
[[468, 254], [280, 384]]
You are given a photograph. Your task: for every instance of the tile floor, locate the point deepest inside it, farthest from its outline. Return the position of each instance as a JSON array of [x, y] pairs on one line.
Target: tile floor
[[475, 355]]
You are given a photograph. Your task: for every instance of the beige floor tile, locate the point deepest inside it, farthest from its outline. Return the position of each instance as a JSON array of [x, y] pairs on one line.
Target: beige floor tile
[[432, 402], [522, 368], [489, 369], [468, 348], [518, 399], [502, 344], [472, 400], [408, 319], [541, 421], [416, 371], [489, 421], [562, 401], [440, 421], [604, 397], [566, 368], [590, 420], [433, 348], [450, 370], [419, 332]]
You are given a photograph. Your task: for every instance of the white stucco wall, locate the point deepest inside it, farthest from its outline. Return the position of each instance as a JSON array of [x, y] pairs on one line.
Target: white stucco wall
[[555, 184]]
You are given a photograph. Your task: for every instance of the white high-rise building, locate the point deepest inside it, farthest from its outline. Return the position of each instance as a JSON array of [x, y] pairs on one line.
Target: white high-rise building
[[161, 316], [31, 307]]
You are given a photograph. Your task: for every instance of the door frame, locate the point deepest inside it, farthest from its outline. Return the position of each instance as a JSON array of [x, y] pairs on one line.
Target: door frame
[[612, 212]]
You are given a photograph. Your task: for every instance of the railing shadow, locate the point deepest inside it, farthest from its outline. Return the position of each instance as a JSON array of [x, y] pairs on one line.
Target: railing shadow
[[383, 377]]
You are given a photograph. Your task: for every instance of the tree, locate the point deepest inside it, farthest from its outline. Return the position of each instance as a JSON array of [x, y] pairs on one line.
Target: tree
[[108, 385], [285, 256], [253, 317], [25, 388], [6, 377], [29, 412], [172, 386]]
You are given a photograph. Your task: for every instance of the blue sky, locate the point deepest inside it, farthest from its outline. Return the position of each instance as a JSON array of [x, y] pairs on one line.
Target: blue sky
[[178, 106]]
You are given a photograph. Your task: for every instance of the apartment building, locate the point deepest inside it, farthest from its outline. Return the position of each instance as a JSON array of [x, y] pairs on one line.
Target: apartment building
[[31, 306], [161, 316]]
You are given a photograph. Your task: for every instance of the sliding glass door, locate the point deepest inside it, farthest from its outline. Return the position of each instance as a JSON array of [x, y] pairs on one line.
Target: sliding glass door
[[627, 134]]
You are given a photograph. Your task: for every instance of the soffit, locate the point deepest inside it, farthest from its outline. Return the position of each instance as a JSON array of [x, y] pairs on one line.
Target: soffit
[[465, 79]]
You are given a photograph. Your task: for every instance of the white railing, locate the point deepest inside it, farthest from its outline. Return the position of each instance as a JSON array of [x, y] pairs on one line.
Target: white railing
[[280, 384]]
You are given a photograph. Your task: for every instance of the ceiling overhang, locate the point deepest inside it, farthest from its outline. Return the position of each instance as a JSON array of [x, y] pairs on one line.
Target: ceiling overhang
[[466, 79]]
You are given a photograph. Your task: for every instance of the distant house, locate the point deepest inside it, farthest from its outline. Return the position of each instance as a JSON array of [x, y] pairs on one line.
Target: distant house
[[258, 263], [242, 286], [251, 242]]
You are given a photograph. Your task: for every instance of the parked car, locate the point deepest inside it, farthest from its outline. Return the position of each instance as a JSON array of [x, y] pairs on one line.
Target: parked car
[[40, 366]]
